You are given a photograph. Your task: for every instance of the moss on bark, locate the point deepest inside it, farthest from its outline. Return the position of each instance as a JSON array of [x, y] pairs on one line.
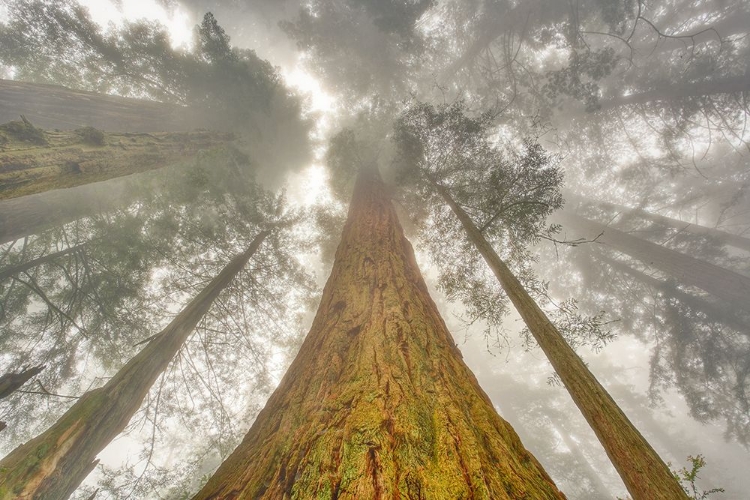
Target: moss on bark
[[86, 155], [378, 403]]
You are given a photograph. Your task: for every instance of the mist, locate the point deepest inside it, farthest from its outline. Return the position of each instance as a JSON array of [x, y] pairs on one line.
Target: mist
[[214, 216]]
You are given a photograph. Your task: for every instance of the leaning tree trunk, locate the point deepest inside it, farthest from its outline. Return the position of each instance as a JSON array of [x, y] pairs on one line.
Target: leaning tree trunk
[[644, 473], [36, 213], [731, 85], [53, 464], [10, 271], [378, 403], [716, 311], [723, 237], [724, 284], [53, 106], [10, 382]]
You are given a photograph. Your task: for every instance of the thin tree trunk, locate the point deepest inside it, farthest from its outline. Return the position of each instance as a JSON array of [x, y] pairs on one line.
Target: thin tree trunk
[[71, 159], [25, 266], [644, 473], [729, 85], [726, 315], [722, 283], [725, 238], [35, 213], [378, 403], [53, 464], [10, 382]]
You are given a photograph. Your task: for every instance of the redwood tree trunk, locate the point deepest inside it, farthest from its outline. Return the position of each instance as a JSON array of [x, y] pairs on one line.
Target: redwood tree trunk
[[70, 159], [727, 285], [53, 464], [644, 473], [53, 106], [378, 403]]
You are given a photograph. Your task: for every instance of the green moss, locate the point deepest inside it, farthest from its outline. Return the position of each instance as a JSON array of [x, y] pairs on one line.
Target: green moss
[[90, 135], [23, 130]]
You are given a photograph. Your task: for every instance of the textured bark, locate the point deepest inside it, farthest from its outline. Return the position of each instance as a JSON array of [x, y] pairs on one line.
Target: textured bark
[[53, 464], [8, 272], [725, 238], [378, 403], [68, 159], [53, 106], [644, 473], [731, 85], [10, 382], [722, 283]]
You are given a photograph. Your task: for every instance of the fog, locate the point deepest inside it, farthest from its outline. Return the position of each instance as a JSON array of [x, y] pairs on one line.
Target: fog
[[176, 175]]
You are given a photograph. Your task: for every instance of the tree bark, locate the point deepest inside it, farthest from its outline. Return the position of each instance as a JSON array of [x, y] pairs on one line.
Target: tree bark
[[725, 238], [53, 106], [644, 473], [25, 266], [730, 85], [53, 464], [71, 159], [378, 403], [726, 285], [10, 382]]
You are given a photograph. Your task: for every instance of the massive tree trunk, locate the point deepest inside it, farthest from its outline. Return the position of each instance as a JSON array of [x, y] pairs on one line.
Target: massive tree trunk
[[68, 159], [644, 473], [53, 464], [378, 403], [721, 236], [53, 106], [732, 287], [730, 85], [10, 382]]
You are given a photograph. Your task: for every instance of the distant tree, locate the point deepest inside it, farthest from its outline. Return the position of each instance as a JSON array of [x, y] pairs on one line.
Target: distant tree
[[724, 284], [10, 382]]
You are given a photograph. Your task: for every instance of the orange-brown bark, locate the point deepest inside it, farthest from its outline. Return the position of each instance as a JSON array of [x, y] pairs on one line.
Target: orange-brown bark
[[378, 403]]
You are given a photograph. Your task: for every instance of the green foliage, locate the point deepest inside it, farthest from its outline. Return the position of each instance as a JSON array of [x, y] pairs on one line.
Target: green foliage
[[57, 42], [688, 478], [579, 79], [509, 192]]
